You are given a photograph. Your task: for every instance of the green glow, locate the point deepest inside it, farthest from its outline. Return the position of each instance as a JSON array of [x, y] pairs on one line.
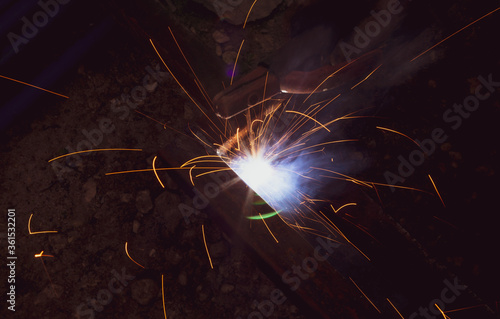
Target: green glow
[[260, 202], [268, 215]]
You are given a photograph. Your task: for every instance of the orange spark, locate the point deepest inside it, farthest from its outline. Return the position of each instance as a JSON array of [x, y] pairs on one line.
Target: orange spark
[[333, 99], [329, 76], [362, 228], [364, 295], [156, 174], [399, 313], [376, 192], [40, 255], [363, 183], [126, 251], [197, 137], [179, 83], [214, 171], [34, 86], [346, 177], [204, 161], [347, 239], [265, 87], [38, 232], [348, 204], [198, 82], [255, 120], [402, 187], [335, 228], [163, 296], [366, 78], [446, 222], [268, 227], [442, 202], [206, 247], [191, 174], [238, 138], [191, 161], [307, 116], [248, 14], [454, 33], [98, 150], [152, 118], [236, 61], [465, 308], [441, 311], [205, 94], [158, 169], [350, 116], [394, 131]]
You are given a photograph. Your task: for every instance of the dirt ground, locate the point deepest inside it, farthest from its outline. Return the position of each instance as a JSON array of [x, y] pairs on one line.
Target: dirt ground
[[95, 214]]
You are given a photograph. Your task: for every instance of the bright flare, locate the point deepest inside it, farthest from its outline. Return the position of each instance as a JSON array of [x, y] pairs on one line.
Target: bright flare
[[270, 181], [256, 172]]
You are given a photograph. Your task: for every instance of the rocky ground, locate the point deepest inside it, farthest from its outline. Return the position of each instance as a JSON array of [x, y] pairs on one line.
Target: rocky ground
[[95, 214]]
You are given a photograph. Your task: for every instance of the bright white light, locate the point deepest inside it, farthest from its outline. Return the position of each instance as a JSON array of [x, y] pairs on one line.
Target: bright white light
[[256, 172], [274, 184]]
